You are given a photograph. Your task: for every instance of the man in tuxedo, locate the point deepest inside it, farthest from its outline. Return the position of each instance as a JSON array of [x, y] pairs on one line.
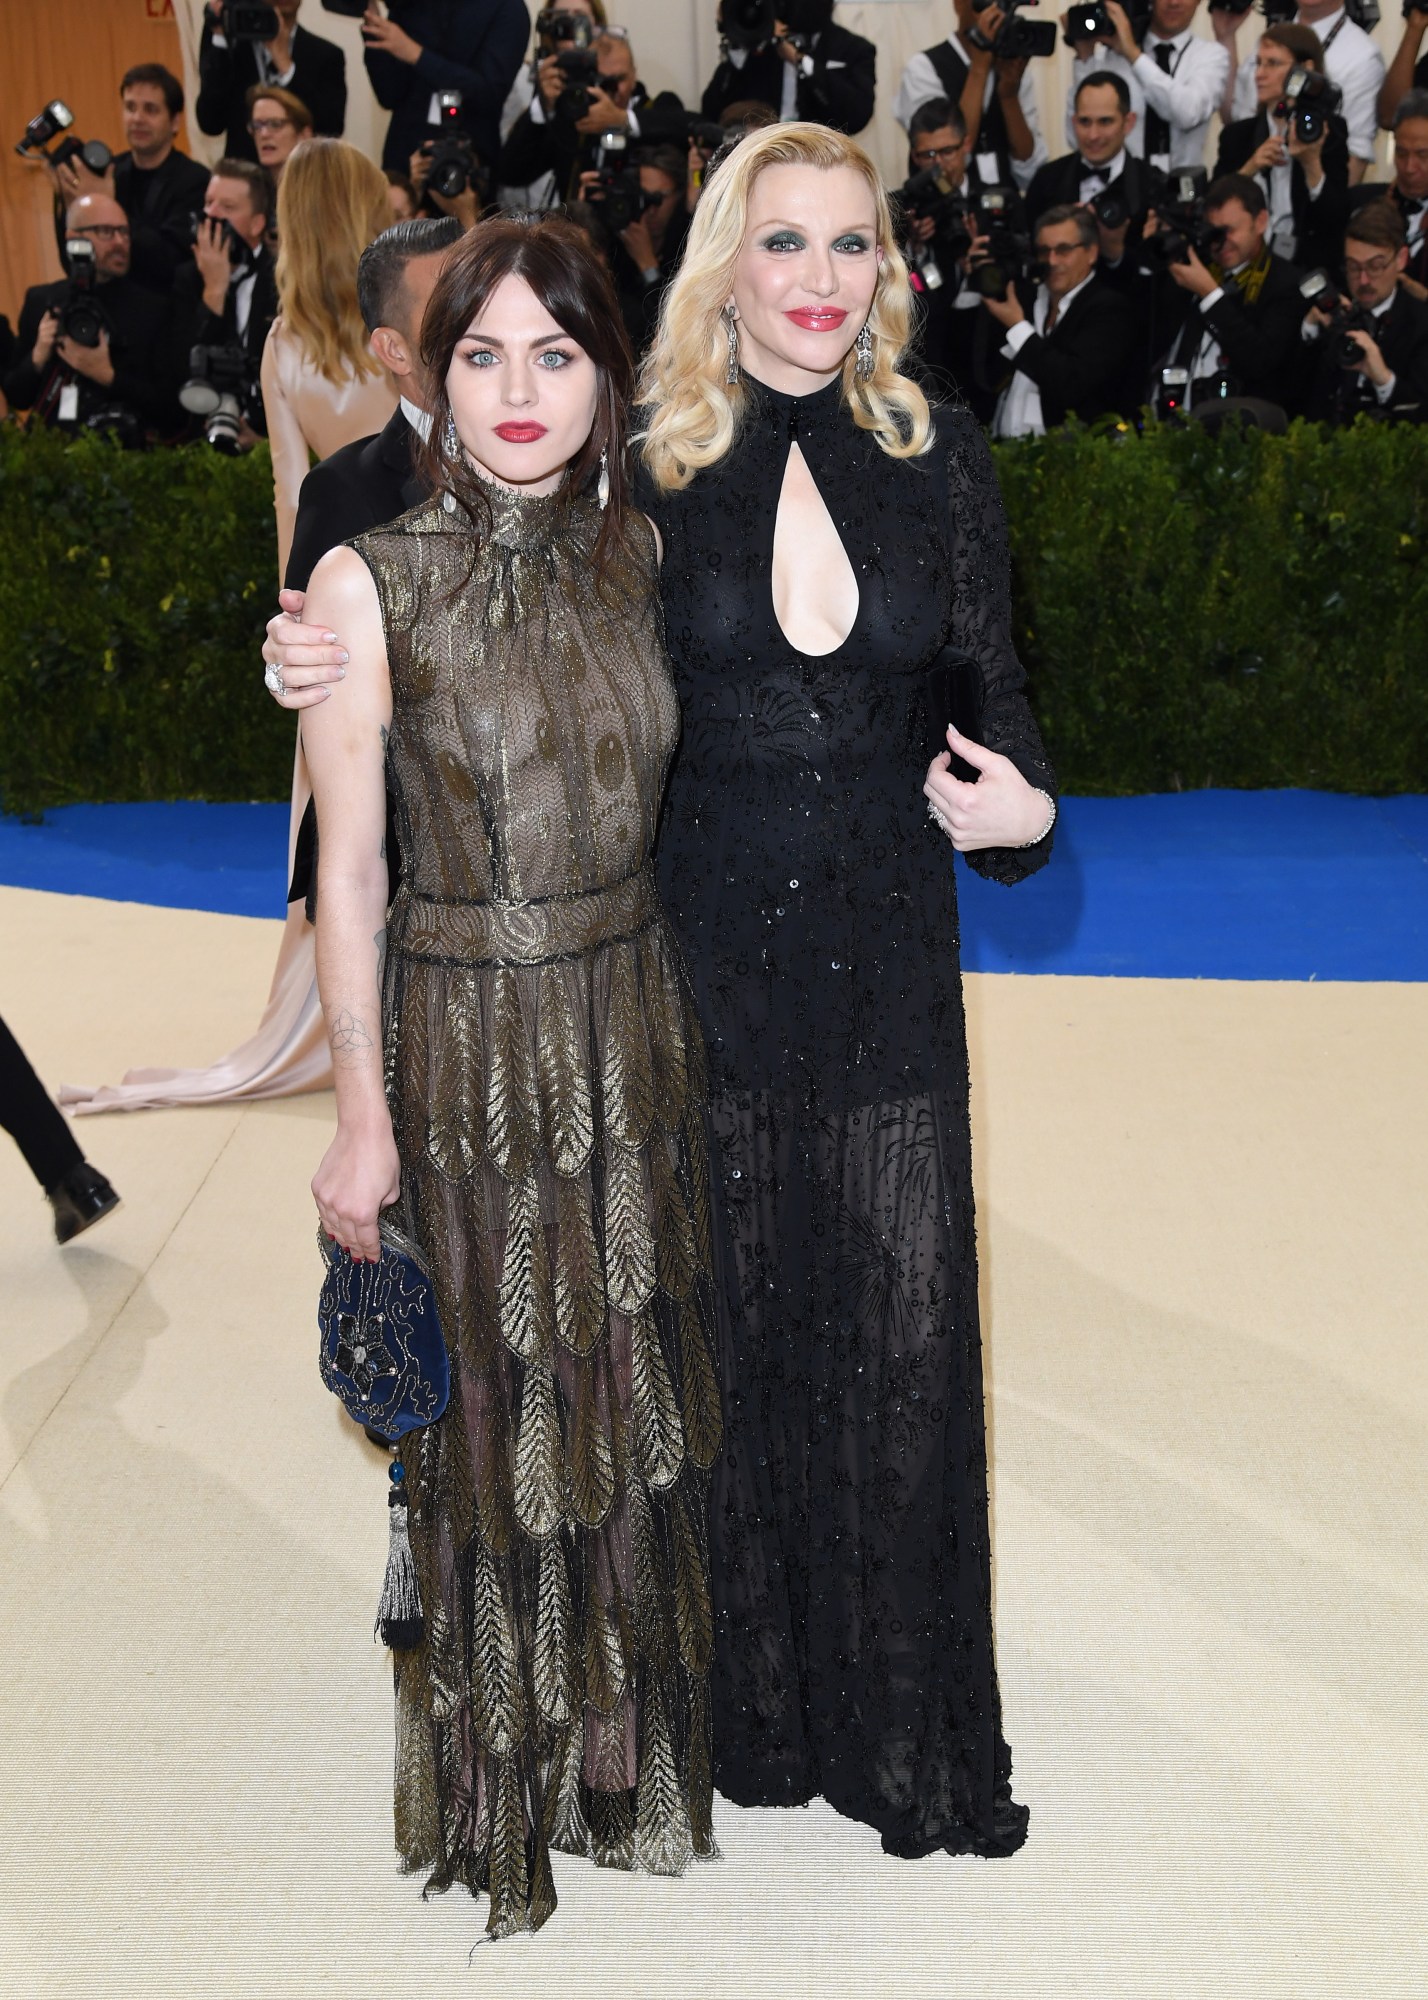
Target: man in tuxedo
[[1102, 174], [1305, 182], [1176, 79], [996, 96], [1408, 190], [1391, 375], [1071, 342], [421, 47], [159, 188], [1233, 323], [544, 140], [229, 295], [314, 70], [132, 367], [813, 69]]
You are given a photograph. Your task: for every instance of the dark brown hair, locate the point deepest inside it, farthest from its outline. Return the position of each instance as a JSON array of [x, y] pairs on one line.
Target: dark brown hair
[[558, 262], [1379, 224], [1302, 43]]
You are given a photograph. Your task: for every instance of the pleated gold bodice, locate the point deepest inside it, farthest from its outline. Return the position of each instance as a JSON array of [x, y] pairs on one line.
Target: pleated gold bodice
[[547, 1083]]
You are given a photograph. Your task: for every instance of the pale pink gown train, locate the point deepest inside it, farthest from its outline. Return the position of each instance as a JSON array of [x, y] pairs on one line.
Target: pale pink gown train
[[288, 1053]]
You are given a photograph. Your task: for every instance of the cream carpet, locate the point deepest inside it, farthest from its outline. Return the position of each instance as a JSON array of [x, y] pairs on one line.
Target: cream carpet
[[1202, 1215]]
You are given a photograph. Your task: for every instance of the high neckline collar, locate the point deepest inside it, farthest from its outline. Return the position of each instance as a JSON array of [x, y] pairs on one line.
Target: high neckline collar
[[820, 410], [523, 520]]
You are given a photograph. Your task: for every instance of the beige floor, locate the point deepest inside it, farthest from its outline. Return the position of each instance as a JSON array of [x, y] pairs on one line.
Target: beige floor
[[1203, 1224]]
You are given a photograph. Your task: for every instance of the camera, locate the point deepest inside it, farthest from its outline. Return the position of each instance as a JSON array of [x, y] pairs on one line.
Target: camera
[[747, 24], [48, 124], [81, 317], [556, 30], [1319, 289], [454, 166], [1308, 102], [1008, 258], [238, 23], [1179, 204], [930, 197], [581, 72], [221, 387], [1017, 38], [239, 254], [1086, 22], [616, 190]]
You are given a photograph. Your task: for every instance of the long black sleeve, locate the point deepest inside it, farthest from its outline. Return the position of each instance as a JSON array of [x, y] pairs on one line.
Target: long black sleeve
[[843, 87], [216, 84], [23, 382]]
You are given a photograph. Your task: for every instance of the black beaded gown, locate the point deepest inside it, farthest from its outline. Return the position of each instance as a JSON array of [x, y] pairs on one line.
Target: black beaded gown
[[816, 903], [545, 1073]]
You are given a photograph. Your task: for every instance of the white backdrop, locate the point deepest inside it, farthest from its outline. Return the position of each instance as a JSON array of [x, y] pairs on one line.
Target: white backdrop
[[676, 48]]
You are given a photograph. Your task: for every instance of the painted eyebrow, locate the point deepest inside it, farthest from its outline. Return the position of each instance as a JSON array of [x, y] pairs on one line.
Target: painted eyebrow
[[541, 340]]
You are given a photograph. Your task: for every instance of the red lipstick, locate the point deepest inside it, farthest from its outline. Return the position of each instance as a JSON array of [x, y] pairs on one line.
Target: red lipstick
[[818, 319], [520, 433]]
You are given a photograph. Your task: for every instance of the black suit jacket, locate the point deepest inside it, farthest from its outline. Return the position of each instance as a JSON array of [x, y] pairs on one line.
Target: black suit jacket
[[1339, 394], [160, 205], [1260, 342], [225, 77], [1059, 181], [474, 46], [839, 93], [1318, 222], [195, 325], [1372, 191], [141, 348], [1087, 365], [362, 486], [553, 146]]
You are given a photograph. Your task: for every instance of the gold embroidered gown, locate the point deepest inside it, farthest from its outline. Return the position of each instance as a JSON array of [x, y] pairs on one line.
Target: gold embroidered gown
[[547, 1085]]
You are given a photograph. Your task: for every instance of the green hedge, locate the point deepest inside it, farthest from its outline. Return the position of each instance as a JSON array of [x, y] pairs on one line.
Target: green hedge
[[1194, 611]]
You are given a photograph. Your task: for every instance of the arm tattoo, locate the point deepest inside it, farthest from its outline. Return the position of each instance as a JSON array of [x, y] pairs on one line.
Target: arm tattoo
[[349, 1038]]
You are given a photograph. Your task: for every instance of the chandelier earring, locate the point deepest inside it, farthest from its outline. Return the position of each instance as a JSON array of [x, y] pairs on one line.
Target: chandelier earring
[[731, 371], [450, 442], [863, 349], [602, 486]]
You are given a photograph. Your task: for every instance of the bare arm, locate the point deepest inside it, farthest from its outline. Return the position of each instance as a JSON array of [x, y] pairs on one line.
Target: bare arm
[[345, 742], [288, 447], [1399, 80]]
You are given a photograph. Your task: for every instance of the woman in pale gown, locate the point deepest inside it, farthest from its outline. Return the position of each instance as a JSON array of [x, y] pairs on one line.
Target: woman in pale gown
[[322, 388]]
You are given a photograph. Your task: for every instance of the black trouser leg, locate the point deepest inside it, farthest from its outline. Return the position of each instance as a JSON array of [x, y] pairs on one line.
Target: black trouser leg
[[31, 1118]]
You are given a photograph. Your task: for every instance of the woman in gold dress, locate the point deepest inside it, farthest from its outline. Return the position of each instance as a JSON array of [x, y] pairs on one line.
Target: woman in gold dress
[[519, 1065]]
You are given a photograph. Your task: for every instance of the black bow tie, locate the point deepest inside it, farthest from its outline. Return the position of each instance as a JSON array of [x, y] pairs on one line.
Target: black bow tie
[[1408, 205]]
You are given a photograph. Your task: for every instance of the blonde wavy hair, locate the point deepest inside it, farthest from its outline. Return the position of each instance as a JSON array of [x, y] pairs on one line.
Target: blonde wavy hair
[[691, 412], [332, 201]]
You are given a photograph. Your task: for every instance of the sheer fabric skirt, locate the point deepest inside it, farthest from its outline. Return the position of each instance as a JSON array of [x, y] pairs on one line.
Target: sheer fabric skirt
[[551, 1123]]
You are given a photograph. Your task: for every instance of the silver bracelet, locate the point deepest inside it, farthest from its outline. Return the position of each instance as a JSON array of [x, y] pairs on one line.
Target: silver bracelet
[[1037, 838]]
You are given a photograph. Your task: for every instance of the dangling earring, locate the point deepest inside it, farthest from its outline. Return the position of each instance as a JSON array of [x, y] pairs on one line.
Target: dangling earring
[[863, 348], [731, 372], [602, 487], [450, 442]]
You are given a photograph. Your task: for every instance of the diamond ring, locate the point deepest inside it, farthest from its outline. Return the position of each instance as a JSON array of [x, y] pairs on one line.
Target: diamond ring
[[273, 678]]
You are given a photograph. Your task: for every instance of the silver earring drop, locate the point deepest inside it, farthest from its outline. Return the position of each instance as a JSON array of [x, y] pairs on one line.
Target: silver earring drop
[[450, 442], [863, 348], [731, 372], [602, 488]]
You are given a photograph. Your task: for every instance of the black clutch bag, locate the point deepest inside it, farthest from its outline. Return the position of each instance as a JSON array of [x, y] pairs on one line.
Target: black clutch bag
[[382, 1355], [953, 689]]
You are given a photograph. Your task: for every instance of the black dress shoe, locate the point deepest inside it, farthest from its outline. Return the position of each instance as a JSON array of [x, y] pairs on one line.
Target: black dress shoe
[[79, 1200]]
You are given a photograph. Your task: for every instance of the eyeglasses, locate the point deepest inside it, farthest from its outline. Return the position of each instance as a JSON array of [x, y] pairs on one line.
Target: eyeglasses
[[257, 125], [1371, 267], [107, 232], [942, 153]]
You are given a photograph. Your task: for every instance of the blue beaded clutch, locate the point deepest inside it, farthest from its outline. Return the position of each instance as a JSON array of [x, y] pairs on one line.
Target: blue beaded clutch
[[382, 1353]]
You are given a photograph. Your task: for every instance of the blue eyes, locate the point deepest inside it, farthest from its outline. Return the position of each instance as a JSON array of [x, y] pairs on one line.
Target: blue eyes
[[549, 358], [786, 241]]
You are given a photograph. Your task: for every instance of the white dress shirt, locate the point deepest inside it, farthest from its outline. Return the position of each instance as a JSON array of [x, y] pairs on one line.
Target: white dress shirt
[[1019, 410], [1187, 96], [920, 82], [1351, 60]]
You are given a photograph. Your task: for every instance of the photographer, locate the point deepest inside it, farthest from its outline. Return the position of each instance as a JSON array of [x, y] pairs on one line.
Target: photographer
[[1351, 62], [795, 58], [314, 70], [1305, 180], [1408, 190], [228, 297], [421, 47], [96, 342], [1176, 74], [935, 208], [1102, 174], [643, 251], [995, 95], [1236, 317], [1071, 341], [560, 132], [1387, 326], [156, 185]]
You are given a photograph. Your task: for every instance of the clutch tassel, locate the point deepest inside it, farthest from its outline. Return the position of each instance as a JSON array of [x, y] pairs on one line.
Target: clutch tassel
[[399, 1618]]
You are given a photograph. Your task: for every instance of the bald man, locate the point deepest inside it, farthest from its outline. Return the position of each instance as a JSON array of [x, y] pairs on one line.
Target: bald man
[[132, 365]]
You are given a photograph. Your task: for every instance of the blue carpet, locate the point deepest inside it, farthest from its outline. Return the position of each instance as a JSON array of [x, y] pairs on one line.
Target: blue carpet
[[1192, 885]]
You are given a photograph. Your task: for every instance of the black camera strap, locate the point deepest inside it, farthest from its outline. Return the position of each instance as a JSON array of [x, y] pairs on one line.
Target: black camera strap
[[1157, 128]]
